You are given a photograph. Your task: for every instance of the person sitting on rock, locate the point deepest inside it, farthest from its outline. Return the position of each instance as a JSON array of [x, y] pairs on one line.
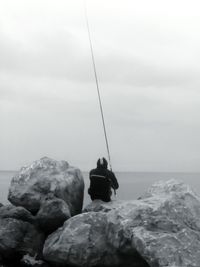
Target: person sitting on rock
[[102, 181]]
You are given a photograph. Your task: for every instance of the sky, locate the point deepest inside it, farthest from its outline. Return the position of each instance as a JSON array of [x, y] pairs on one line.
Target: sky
[[148, 63]]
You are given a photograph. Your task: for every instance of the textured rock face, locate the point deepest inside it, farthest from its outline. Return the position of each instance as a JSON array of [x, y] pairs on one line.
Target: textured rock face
[[52, 214], [47, 178], [18, 238], [160, 229], [81, 241], [171, 226], [99, 205], [19, 213], [30, 261], [18, 234]]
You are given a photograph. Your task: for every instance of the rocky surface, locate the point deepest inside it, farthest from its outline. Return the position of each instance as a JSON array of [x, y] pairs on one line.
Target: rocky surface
[[18, 238], [99, 205], [83, 241], [47, 178], [18, 233], [160, 229], [19, 213], [44, 195], [31, 261], [52, 214]]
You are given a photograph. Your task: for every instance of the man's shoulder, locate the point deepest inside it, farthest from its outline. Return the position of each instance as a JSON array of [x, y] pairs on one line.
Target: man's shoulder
[[110, 173], [102, 171], [92, 171]]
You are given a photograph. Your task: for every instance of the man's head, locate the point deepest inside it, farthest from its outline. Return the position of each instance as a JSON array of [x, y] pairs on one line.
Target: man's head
[[102, 163]]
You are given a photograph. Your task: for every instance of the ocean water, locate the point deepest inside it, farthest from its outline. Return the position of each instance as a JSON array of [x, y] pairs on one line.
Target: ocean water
[[132, 184]]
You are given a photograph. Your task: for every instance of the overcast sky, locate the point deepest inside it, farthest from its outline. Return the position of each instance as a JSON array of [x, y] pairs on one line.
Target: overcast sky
[[148, 62]]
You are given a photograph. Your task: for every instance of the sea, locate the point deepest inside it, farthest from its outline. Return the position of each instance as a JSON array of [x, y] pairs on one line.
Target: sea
[[131, 184]]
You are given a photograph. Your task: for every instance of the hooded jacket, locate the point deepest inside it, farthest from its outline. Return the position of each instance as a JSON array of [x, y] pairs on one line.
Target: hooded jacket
[[101, 181]]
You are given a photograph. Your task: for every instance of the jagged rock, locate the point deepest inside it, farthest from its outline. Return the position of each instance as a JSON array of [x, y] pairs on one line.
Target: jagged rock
[[18, 234], [30, 261], [20, 213], [47, 177], [19, 237], [99, 205], [52, 214], [75, 236], [160, 229], [83, 242]]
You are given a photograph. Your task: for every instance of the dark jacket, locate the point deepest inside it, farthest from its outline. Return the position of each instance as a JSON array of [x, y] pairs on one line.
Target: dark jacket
[[101, 182]]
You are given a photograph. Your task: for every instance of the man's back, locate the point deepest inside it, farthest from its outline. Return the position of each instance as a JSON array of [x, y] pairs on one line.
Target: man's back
[[101, 182]]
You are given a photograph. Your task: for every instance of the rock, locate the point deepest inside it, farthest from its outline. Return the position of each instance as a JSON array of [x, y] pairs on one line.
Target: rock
[[172, 226], [52, 214], [81, 242], [18, 234], [18, 238], [99, 205], [29, 261], [47, 177], [20, 213], [160, 229]]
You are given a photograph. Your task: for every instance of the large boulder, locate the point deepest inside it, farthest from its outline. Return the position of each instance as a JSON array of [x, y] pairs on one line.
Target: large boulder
[[47, 178], [19, 238], [52, 214], [83, 241], [160, 229], [18, 234], [99, 205], [19, 213]]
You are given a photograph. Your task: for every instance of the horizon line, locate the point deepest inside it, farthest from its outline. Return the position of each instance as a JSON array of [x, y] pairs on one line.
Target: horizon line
[[127, 171]]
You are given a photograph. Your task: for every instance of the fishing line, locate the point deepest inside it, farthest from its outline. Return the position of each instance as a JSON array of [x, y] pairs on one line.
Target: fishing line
[[97, 83]]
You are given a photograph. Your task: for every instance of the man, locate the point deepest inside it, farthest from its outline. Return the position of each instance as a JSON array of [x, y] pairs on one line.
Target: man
[[101, 181]]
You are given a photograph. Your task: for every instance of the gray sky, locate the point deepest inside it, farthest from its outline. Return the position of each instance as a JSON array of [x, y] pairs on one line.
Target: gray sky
[[147, 56]]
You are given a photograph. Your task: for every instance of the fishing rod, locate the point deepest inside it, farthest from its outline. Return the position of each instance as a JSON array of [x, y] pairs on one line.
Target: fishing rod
[[97, 84]]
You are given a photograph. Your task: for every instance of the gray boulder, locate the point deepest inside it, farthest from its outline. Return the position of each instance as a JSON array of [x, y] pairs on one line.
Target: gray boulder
[[52, 214], [47, 178], [31, 261], [18, 238], [99, 205], [18, 234], [19, 213], [83, 241], [160, 229]]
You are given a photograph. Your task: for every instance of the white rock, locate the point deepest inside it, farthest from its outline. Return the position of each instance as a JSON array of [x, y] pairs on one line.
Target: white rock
[[46, 178], [160, 229]]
